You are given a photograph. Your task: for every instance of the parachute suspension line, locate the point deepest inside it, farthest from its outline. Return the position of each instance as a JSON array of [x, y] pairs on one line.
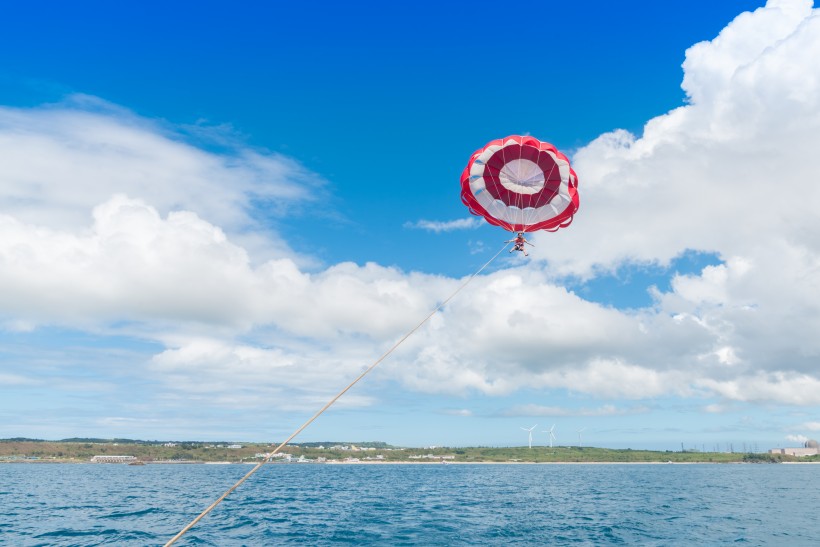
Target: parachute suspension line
[[522, 215], [526, 215], [333, 400], [518, 200], [519, 217]]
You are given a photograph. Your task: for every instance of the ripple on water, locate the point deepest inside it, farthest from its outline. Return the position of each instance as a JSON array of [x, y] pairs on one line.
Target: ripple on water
[[84, 505]]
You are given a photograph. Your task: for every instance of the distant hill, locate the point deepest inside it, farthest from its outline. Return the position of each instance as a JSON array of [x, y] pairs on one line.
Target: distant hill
[[21, 440], [95, 440]]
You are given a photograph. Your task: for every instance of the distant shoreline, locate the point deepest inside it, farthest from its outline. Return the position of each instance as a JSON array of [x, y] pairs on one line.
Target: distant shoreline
[[176, 453], [549, 463], [373, 462]]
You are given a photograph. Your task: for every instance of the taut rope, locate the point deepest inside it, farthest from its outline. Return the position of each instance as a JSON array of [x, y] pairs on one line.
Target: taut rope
[[333, 400]]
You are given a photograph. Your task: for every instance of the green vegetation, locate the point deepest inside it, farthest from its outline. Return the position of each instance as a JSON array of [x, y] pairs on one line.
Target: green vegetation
[[574, 454], [82, 450]]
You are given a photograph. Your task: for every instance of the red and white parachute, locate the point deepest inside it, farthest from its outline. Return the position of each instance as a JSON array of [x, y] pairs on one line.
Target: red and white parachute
[[521, 184]]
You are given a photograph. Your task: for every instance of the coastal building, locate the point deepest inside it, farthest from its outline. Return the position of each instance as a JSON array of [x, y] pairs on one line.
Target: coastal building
[[113, 459], [809, 448]]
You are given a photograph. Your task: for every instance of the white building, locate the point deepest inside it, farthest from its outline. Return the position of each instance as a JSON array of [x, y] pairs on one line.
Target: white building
[[113, 459], [810, 448]]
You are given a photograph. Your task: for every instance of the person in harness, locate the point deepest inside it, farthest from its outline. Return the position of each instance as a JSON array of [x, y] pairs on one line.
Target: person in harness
[[519, 241]]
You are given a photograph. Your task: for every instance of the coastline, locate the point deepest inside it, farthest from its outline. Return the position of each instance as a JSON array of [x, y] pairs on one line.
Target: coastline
[[198, 453], [554, 463], [437, 463]]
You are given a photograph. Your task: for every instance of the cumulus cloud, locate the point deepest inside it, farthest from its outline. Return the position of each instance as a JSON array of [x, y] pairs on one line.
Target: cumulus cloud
[[133, 264], [731, 173], [95, 149]]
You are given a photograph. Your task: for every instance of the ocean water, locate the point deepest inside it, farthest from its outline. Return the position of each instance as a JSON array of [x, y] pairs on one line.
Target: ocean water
[[304, 504]]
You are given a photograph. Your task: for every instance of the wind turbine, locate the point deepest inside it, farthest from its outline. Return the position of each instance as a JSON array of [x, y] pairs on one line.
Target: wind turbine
[[552, 435], [530, 431], [579, 436]]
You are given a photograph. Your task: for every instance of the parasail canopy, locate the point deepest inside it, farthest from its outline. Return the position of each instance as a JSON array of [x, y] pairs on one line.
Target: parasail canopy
[[521, 184]]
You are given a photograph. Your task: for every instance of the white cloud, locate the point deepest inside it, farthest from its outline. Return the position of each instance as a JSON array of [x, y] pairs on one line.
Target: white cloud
[[95, 150], [797, 438], [202, 369], [16, 380], [553, 411], [463, 412], [805, 426], [131, 264], [445, 226], [729, 173], [783, 387], [715, 408]]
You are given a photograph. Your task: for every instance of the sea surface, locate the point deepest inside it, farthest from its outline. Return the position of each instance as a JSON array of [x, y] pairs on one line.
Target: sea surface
[[311, 504]]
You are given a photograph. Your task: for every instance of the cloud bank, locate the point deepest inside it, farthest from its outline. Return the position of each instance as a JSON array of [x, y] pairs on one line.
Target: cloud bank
[[113, 224]]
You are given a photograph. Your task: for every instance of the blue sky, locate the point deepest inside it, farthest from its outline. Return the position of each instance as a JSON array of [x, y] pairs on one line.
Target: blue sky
[[215, 217], [353, 84]]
